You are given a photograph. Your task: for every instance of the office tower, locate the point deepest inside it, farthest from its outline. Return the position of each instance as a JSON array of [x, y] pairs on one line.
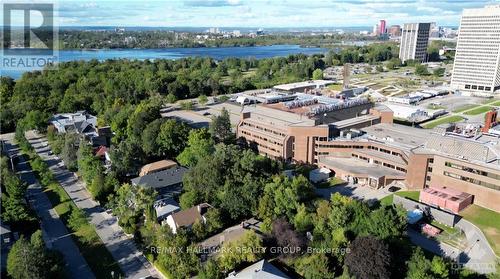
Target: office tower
[[376, 30], [414, 40], [382, 27], [476, 69]]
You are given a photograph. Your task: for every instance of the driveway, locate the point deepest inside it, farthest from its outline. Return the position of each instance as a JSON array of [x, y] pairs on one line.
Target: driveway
[[122, 248], [55, 234]]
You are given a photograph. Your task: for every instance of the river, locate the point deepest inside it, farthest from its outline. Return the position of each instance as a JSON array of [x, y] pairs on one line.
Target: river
[[218, 53]]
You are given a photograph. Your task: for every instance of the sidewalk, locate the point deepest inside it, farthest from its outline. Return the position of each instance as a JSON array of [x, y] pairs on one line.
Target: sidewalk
[[122, 248], [56, 236]]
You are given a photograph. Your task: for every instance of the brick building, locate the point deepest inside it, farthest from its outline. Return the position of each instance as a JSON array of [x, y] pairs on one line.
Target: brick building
[[361, 144]]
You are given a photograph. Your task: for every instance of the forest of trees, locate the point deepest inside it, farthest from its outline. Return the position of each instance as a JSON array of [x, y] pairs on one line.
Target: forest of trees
[[78, 39]]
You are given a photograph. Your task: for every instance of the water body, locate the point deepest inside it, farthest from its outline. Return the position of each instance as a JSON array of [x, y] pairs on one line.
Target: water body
[[218, 53]]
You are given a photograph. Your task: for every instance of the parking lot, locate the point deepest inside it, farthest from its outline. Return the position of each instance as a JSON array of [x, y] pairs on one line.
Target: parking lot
[[201, 117], [355, 191]]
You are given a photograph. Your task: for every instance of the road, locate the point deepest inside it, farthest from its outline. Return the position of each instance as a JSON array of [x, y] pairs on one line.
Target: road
[[55, 234], [122, 247], [438, 248]]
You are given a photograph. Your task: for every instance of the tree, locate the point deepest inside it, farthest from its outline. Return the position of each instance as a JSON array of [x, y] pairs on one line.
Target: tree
[[131, 202], [202, 100], [187, 105], [369, 257], [248, 248], [314, 266], [127, 157], [30, 259], [393, 63], [210, 270], [171, 98], [69, 151], [144, 113], [149, 137], [199, 146], [317, 74], [15, 209], [220, 128], [419, 267], [286, 237], [214, 220], [35, 119], [439, 72], [303, 220], [421, 70], [172, 137], [387, 222], [285, 195]]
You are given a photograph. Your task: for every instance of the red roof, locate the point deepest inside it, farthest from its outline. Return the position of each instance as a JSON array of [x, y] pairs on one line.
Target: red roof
[[101, 151]]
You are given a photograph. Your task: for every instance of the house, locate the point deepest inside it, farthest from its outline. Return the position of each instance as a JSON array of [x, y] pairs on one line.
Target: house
[[186, 218], [168, 183], [211, 246], [82, 123], [261, 269], [5, 235], [165, 207], [157, 166]]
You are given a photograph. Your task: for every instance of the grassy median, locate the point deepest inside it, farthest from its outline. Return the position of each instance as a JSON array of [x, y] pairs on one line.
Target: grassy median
[[478, 110], [443, 120]]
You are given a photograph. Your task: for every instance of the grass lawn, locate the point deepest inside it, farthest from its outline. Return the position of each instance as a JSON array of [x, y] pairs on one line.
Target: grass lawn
[[478, 110], [443, 120], [412, 195], [488, 221], [387, 200], [465, 107], [495, 103], [337, 86]]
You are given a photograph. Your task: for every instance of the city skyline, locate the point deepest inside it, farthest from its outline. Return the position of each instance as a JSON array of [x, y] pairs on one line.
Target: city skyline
[[261, 13]]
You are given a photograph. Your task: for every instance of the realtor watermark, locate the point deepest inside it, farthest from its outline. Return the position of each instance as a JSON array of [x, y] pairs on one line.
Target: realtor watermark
[[29, 35], [238, 249]]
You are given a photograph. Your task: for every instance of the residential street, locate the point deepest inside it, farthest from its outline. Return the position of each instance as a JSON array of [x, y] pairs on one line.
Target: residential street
[[122, 247], [55, 234]]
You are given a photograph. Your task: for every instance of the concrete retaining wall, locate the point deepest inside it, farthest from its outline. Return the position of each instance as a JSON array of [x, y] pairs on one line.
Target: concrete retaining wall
[[446, 218]]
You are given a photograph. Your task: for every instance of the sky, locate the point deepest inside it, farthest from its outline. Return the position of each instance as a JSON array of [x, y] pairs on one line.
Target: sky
[[260, 13]]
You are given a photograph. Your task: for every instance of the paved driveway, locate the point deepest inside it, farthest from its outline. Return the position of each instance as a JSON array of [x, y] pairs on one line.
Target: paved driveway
[[55, 234], [122, 248]]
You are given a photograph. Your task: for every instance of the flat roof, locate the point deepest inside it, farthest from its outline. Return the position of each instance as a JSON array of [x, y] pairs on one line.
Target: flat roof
[[359, 167], [447, 193], [269, 114], [296, 85], [353, 121], [399, 135]]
